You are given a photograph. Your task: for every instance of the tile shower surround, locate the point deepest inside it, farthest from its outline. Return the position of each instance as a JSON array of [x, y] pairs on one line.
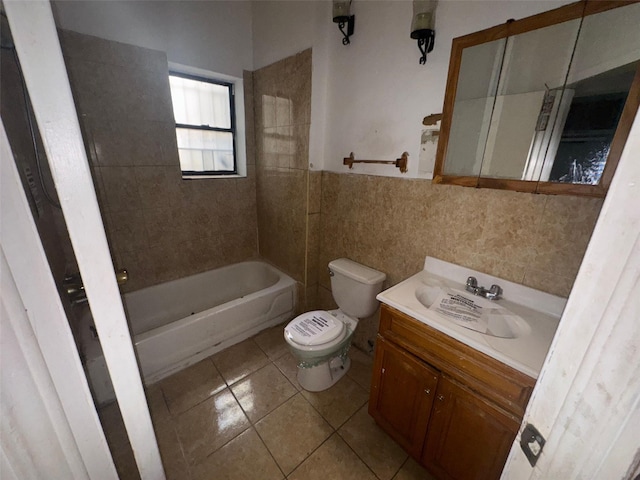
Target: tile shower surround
[[288, 193], [159, 226]]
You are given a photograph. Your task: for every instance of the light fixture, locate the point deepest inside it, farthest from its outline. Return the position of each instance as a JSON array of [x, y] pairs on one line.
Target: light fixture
[[423, 26], [342, 16]]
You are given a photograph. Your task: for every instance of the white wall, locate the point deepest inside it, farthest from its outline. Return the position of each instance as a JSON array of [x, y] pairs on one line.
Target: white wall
[[211, 35], [375, 94]]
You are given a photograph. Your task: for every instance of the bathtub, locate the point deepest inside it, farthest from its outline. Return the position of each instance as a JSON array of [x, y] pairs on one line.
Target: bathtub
[[178, 323]]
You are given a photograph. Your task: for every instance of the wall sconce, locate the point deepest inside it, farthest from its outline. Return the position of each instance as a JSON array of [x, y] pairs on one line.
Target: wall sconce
[[423, 26], [342, 16]]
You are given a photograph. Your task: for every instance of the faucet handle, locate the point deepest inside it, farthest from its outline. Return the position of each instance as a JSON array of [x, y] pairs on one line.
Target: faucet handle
[[472, 285], [494, 292]]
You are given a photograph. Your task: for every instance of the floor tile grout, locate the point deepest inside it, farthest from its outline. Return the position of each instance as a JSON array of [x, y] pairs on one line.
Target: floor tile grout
[[268, 345]]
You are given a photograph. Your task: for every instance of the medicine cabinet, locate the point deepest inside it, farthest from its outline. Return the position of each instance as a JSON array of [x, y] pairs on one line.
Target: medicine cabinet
[[543, 104]]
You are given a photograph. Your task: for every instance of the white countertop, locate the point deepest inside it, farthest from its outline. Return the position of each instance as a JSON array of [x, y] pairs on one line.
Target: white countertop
[[541, 311]]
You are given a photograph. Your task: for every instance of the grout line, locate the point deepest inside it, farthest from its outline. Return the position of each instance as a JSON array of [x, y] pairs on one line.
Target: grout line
[[269, 451], [252, 425]]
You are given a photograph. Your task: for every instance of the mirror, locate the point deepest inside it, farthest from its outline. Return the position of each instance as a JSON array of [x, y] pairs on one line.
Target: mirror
[[542, 104]]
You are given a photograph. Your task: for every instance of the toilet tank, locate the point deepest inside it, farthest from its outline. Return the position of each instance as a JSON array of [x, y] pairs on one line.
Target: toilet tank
[[355, 286]]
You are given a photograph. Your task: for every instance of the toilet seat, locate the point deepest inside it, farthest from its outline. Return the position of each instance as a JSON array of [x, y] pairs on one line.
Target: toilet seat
[[318, 329]]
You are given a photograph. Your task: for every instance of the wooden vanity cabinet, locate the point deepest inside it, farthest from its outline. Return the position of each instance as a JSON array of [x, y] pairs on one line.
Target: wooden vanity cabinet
[[452, 408], [406, 388], [469, 437]]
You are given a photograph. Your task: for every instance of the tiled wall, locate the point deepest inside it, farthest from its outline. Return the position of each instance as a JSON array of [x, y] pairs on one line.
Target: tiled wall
[[288, 194], [159, 226], [391, 224]]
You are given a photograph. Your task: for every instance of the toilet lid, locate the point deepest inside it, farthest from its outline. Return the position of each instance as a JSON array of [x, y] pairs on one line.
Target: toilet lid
[[314, 328]]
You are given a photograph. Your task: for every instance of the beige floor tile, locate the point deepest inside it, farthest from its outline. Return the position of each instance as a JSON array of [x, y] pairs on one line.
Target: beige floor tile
[[157, 405], [191, 386], [339, 402], [412, 470], [263, 391], [335, 460], [175, 465], [288, 365], [240, 360], [244, 458], [272, 342], [207, 426], [361, 368], [118, 441], [381, 453], [292, 432]]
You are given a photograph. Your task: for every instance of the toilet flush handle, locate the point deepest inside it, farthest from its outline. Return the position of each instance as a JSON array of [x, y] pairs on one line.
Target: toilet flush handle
[[330, 273]]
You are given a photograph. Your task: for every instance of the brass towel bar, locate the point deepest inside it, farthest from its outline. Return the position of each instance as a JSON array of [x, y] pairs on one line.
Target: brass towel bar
[[401, 162]]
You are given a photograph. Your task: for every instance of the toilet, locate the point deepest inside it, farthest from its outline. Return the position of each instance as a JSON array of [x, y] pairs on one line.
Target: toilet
[[320, 339]]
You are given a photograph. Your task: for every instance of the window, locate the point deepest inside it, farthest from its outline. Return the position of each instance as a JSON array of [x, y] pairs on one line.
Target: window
[[204, 111]]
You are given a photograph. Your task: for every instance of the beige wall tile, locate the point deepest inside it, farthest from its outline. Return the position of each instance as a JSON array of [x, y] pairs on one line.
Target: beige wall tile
[[282, 94], [159, 226], [249, 109], [313, 248], [127, 230], [298, 83], [77, 45], [128, 143], [120, 188], [300, 147], [501, 233], [311, 298], [557, 284], [367, 331], [535, 240], [315, 191]]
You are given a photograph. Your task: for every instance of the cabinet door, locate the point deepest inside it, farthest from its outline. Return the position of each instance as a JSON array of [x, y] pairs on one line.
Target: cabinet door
[[469, 437], [402, 395]]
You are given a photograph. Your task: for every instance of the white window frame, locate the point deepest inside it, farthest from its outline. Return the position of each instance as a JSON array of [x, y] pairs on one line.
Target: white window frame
[[240, 132]]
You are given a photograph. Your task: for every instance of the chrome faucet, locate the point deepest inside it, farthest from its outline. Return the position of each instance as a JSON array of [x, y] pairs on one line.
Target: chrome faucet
[[493, 293]]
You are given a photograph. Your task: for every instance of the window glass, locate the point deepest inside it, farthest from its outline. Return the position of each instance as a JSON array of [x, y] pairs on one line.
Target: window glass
[[205, 130], [205, 150]]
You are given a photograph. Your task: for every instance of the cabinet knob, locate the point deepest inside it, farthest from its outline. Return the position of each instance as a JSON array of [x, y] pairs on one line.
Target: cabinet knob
[[427, 391], [441, 397]]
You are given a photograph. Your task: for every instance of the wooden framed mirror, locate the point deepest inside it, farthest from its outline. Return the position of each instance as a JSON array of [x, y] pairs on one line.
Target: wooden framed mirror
[[543, 104]]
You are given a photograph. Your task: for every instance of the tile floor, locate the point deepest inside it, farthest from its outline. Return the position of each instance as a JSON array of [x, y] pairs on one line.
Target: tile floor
[[240, 414]]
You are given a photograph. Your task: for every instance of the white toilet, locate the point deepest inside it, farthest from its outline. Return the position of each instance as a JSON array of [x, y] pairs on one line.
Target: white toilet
[[320, 339]]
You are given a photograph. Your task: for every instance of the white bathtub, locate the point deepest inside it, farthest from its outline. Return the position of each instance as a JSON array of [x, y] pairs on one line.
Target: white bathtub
[[178, 323]]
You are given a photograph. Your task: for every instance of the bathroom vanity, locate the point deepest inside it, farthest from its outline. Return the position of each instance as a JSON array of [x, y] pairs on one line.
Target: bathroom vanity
[[453, 397]]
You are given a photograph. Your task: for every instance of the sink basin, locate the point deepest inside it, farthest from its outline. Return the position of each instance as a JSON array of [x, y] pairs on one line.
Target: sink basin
[[471, 311], [516, 330]]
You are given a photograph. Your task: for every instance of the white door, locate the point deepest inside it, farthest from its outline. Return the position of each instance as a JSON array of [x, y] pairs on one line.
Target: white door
[[586, 403], [36, 42]]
